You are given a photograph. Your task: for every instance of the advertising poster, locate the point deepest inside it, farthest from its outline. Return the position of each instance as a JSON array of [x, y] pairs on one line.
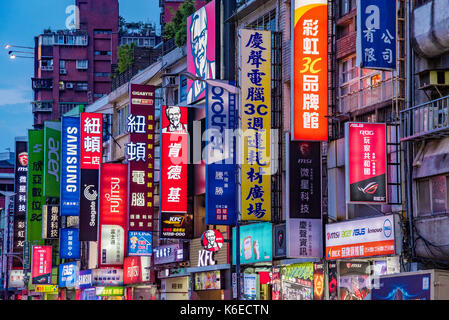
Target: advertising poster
[[35, 186], [132, 272], [403, 287], [69, 245], [249, 286], [256, 243], [140, 156], [140, 243], [304, 225], [17, 279], [276, 283], [70, 166], [366, 162], [354, 280], [255, 60], [112, 214], [84, 279], [88, 220], [220, 157], [107, 277], [176, 222], [318, 281], [169, 253], [360, 238], [41, 265], [280, 241], [209, 280], [200, 47], [20, 198], [52, 159], [376, 34], [67, 275], [148, 275], [332, 272], [50, 223], [309, 70], [110, 291], [297, 281]]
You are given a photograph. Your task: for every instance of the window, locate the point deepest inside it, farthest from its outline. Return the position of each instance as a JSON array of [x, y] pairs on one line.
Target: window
[[81, 86], [122, 115], [46, 40], [348, 70], [61, 64], [102, 31], [102, 53], [102, 74], [46, 64], [82, 64], [432, 195], [346, 6], [266, 22]]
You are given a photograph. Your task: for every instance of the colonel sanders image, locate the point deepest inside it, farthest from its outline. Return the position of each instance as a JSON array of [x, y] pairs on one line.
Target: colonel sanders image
[[204, 68], [174, 117], [211, 243]]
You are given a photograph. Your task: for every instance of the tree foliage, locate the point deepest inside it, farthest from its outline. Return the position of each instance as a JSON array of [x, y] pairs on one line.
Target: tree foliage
[[125, 57], [177, 27]]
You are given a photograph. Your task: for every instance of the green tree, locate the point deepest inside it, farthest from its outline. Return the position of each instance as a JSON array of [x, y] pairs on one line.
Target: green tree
[[177, 27], [125, 57]]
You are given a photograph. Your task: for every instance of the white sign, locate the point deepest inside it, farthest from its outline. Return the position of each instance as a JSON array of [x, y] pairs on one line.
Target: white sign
[[112, 245]]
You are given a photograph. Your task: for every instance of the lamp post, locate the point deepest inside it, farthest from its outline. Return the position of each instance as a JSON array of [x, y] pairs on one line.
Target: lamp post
[[13, 46]]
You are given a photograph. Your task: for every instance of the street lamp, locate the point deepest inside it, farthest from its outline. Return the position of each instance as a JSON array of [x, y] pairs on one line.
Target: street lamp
[[13, 46]]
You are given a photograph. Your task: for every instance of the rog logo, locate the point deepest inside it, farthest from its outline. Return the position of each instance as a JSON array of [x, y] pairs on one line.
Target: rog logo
[[370, 188]]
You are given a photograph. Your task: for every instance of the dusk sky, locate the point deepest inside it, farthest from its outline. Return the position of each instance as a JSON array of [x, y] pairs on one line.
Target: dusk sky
[[20, 22]]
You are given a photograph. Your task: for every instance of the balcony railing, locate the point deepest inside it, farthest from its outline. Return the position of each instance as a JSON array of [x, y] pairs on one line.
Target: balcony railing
[[42, 106], [366, 97], [426, 121]]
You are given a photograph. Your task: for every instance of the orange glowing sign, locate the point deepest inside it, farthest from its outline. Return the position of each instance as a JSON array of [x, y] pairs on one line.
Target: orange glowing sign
[[309, 96]]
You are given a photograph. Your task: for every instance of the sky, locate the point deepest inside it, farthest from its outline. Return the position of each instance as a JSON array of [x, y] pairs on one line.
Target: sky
[[20, 22]]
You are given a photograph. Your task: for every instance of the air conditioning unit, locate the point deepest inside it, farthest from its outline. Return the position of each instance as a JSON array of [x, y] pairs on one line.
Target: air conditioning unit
[[430, 78], [170, 82], [69, 85]]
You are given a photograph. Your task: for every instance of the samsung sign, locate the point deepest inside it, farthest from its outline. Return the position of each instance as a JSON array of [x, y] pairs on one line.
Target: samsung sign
[[70, 168], [360, 238]]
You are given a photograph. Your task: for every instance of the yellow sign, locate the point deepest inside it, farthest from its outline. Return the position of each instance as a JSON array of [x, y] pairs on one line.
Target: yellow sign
[[256, 124], [47, 288]]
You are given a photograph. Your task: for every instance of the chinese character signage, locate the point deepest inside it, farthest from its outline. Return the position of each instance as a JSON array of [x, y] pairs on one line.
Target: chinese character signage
[[140, 243], [297, 281], [366, 162], [112, 213], [88, 220], [200, 49], [140, 155], [110, 291], [41, 265], [169, 253], [256, 124], [67, 275], [376, 34], [91, 140], [84, 279], [107, 277], [360, 238], [256, 243], [50, 223], [220, 168], [175, 221], [309, 94], [52, 158], [35, 194], [70, 166], [69, 245], [132, 270], [20, 198], [304, 199]]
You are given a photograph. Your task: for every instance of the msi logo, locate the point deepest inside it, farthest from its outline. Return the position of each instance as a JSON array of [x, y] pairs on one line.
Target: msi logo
[[23, 158], [370, 188]]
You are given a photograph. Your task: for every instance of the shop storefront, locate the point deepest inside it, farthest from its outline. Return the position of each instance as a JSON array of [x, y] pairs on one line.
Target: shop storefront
[[209, 269], [256, 256], [169, 261], [359, 251]]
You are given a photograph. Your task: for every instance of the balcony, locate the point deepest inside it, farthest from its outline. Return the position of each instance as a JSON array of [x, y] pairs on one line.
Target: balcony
[[372, 95], [42, 106], [42, 84], [426, 121]]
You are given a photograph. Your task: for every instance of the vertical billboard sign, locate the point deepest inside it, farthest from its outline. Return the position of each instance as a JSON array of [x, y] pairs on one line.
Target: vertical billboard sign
[[41, 265], [200, 50], [35, 188], [309, 70], [69, 245], [304, 199], [112, 214], [20, 198], [67, 275], [52, 159], [366, 162], [220, 168], [91, 155], [175, 220], [376, 34], [70, 166], [255, 48], [50, 222], [140, 155]]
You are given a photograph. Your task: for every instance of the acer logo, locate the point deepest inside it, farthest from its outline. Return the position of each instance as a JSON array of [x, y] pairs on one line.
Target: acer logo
[[53, 158]]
